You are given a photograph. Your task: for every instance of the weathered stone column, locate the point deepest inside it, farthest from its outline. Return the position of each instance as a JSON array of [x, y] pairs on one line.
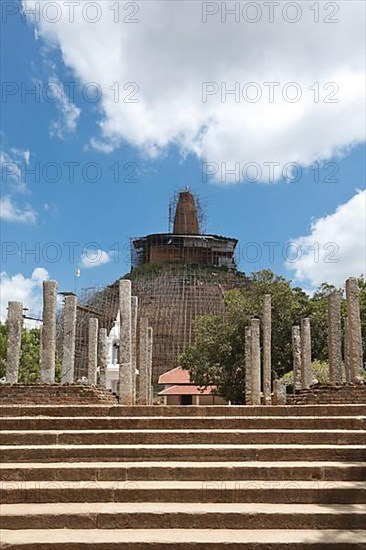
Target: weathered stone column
[[248, 366], [47, 374], [354, 328], [346, 351], [335, 338], [40, 347], [15, 323], [68, 344], [306, 373], [256, 362], [92, 351], [150, 357], [267, 339], [143, 397], [102, 356], [296, 356], [125, 344], [134, 311], [279, 393]]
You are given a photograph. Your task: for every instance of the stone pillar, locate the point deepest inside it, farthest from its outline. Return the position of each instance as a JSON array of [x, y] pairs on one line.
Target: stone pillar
[[335, 338], [68, 344], [267, 337], [143, 361], [102, 356], [125, 344], [306, 373], [149, 371], [296, 355], [279, 393], [354, 329], [92, 351], [15, 323], [48, 361], [134, 311], [248, 366], [40, 347], [346, 351], [256, 361]]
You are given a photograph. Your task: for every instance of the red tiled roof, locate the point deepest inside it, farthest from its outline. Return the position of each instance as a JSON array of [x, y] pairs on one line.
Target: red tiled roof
[[187, 390], [174, 376]]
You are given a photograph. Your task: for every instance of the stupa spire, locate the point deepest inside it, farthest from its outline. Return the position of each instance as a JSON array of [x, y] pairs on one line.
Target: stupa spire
[[186, 219]]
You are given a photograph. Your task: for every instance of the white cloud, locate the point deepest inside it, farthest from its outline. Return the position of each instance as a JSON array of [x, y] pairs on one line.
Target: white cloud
[[169, 53], [102, 146], [12, 163], [10, 212], [69, 112], [19, 288], [24, 155], [95, 258], [335, 248]]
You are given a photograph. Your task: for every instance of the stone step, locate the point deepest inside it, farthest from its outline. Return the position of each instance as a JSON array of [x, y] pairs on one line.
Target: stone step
[[183, 539], [167, 411], [107, 453], [180, 471], [187, 422], [181, 437], [151, 515], [268, 491]]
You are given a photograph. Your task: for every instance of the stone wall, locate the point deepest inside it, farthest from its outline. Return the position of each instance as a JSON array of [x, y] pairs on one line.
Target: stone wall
[[54, 394], [327, 393]]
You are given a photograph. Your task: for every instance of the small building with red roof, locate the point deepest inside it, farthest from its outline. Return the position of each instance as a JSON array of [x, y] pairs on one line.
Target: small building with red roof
[[179, 390]]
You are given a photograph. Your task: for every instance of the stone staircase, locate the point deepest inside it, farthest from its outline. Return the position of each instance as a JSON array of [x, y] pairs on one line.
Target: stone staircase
[[147, 478]]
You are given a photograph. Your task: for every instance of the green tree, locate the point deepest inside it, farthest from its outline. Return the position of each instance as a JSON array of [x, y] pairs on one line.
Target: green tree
[[319, 318], [288, 306], [3, 343], [217, 356], [318, 313], [29, 356]]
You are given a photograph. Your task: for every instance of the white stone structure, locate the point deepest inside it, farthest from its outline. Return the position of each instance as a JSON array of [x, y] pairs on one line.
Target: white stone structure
[[112, 372]]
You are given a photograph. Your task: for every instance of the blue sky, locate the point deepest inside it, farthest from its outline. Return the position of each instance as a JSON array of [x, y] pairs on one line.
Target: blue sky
[[37, 212]]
